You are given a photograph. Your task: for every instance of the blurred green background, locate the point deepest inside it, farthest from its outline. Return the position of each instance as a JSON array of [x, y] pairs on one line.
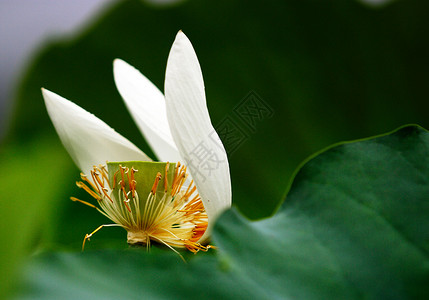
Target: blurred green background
[[330, 70]]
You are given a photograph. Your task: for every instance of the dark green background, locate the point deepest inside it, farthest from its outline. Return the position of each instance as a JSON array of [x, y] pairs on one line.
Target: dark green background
[[331, 71]]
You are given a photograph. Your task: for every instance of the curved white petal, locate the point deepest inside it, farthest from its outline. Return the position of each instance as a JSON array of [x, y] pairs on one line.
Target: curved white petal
[[146, 104], [190, 125], [88, 140]]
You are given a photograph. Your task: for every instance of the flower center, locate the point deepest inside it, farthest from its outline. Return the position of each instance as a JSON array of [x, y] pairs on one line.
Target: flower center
[[153, 202]]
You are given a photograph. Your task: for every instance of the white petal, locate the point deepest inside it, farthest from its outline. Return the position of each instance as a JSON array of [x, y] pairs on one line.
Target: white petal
[[146, 105], [88, 140], [192, 130]]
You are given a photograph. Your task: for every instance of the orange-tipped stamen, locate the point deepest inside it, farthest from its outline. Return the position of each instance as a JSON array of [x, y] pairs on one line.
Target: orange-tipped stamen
[[114, 178], [82, 185], [97, 188], [85, 178], [124, 192], [176, 171], [155, 184], [189, 193], [167, 165], [179, 180], [126, 205], [104, 174], [175, 219], [122, 181], [97, 178], [190, 185], [106, 194], [131, 182]]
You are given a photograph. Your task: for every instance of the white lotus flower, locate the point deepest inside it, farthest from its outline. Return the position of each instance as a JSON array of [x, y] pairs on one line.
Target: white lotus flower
[[178, 128]]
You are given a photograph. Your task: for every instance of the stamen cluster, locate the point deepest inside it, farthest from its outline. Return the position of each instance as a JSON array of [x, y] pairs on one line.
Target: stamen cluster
[[170, 213]]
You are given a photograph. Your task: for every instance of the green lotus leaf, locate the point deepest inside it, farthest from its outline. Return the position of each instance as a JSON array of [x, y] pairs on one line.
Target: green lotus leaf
[[354, 225]]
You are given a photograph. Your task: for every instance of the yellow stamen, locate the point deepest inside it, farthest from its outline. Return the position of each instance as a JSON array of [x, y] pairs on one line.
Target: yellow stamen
[[81, 201], [99, 184], [88, 236], [85, 178], [88, 190], [176, 219]]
